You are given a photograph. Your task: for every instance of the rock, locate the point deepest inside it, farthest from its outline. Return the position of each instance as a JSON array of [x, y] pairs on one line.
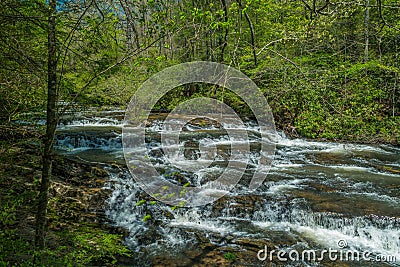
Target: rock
[[99, 172], [204, 241], [321, 187], [204, 123], [253, 244], [167, 260], [213, 258], [236, 205], [193, 254]]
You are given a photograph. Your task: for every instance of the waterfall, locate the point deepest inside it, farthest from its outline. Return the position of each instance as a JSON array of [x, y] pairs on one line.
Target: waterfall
[[316, 193]]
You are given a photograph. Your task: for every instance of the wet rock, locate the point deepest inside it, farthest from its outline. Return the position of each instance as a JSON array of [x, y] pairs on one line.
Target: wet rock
[[252, 243], [321, 187], [213, 258], [174, 261], [149, 236], [191, 150], [168, 214], [77, 192], [347, 205], [236, 205], [178, 177], [389, 169], [99, 172], [193, 254], [204, 123], [329, 158], [204, 241]]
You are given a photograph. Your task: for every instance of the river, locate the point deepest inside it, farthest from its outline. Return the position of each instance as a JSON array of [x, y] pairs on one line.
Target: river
[[317, 195]]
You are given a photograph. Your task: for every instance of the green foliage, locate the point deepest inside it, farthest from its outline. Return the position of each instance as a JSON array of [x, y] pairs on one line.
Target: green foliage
[[140, 202], [146, 217], [10, 245], [319, 77], [23, 54], [229, 256], [92, 245]]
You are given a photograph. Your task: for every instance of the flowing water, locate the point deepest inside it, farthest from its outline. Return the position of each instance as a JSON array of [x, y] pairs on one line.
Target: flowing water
[[316, 195]]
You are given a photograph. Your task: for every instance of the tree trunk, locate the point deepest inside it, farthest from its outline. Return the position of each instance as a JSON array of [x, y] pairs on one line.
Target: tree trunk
[[253, 44], [366, 31], [252, 32], [396, 77], [51, 123], [224, 41], [130, 25]]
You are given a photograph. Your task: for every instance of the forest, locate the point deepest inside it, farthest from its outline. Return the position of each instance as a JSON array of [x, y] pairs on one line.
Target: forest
[[329, 70]]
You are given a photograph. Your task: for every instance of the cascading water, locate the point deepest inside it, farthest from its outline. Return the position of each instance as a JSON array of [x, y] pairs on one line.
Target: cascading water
[[315, 194]]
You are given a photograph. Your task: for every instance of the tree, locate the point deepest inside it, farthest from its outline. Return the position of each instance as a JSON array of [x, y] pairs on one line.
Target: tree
[[51, 124]]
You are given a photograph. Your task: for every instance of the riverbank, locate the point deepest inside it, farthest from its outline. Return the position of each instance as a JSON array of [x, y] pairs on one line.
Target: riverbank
[[78, 234]]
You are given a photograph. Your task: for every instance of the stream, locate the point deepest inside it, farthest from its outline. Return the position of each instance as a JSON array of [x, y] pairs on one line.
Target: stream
[[317, 195]]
